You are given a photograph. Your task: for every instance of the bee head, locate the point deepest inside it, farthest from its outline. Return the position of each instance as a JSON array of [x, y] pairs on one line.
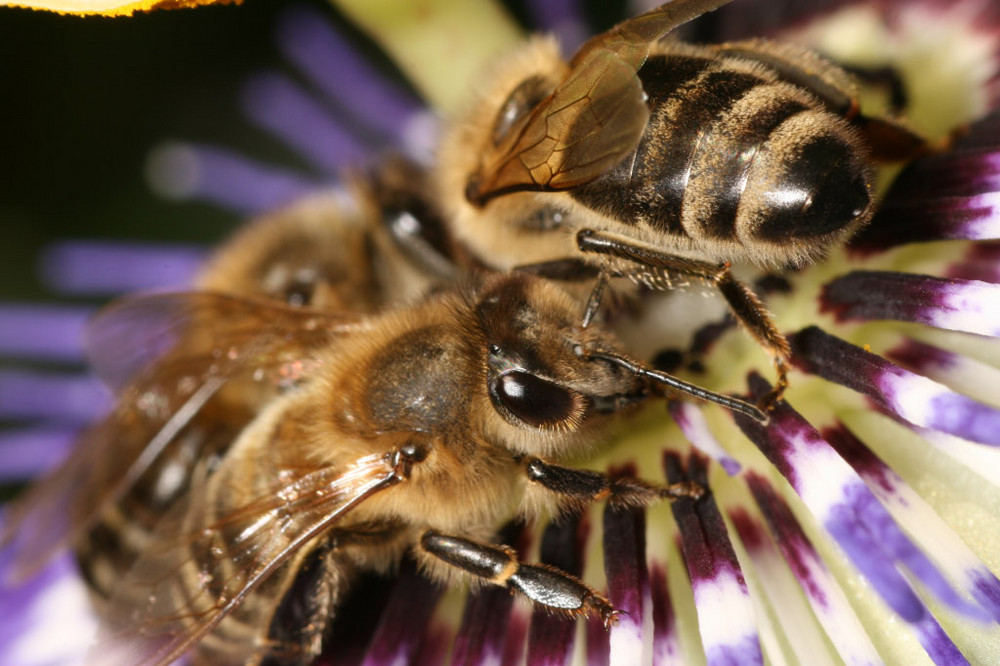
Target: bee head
[[535, 377]]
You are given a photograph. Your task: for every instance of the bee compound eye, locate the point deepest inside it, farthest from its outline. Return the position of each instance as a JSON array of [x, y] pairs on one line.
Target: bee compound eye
[[301, 288], [533, 400]]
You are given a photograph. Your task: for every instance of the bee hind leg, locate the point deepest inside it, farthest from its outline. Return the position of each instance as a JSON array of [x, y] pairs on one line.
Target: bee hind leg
[[543, 584], [744, 304]]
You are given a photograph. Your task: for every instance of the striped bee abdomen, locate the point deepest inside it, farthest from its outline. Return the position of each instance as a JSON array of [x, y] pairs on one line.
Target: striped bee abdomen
[[734, 153], [125, 527]]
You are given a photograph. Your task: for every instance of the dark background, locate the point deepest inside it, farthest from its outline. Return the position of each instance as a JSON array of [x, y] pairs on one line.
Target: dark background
[[84, 100]]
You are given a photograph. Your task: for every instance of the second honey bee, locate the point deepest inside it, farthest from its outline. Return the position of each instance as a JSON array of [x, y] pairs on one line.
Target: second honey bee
[[183, 397], [664, 162]]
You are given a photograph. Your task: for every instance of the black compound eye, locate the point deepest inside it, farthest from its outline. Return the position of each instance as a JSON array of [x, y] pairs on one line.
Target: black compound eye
[[301, 287], [535, 401], [299, 293]]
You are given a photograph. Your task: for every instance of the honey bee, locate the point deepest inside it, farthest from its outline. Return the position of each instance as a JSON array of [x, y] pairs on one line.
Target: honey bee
[[420, 431], [182, 398], [285, 311], [663, 162]]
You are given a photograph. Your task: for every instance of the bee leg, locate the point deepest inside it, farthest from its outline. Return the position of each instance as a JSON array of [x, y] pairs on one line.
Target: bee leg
[[594, 300], [580, 488], [562, 270], [885, 77], [892, 141], [743, 302], [543, 584], [298, 625], [574, 270]]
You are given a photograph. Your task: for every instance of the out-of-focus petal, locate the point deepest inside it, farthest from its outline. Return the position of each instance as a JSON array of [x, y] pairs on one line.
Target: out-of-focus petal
[[551, 637], [624, 548], [949, 552], [43, 332], [974, 217], [693, 424], [309, 42], [957, 305], [58, 397], [825, 595], [980, 262], [970, 376], [951, 195], [563, 18], [281, 106], [29, 452], [776, 588], [485, 618], [489, 621], [107, 268], [55, 598], [855, 519], [227, 179], [666, 648], [402, 629]]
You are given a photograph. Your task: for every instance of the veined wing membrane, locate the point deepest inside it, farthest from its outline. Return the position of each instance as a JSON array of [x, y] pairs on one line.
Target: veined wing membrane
[[592, 120], [199, 567], [205, 341], [135, 337]]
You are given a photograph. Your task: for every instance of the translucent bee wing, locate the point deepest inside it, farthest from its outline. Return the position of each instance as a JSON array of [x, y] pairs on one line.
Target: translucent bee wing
[[630, 39], [205, 340], [36, 525], [196, 330], [200, 567], [592, 120], [589, 124]]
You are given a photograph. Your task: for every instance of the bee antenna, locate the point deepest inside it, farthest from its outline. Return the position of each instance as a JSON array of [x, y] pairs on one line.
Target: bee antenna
[[673, 383]]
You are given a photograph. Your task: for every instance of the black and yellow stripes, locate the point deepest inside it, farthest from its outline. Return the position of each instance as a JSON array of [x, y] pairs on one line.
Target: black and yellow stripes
[[733, 151]]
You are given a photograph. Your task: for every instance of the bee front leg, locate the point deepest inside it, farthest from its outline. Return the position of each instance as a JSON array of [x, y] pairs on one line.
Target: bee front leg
[[543, 584], [578, 487], [594, 300], [745, 305]]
